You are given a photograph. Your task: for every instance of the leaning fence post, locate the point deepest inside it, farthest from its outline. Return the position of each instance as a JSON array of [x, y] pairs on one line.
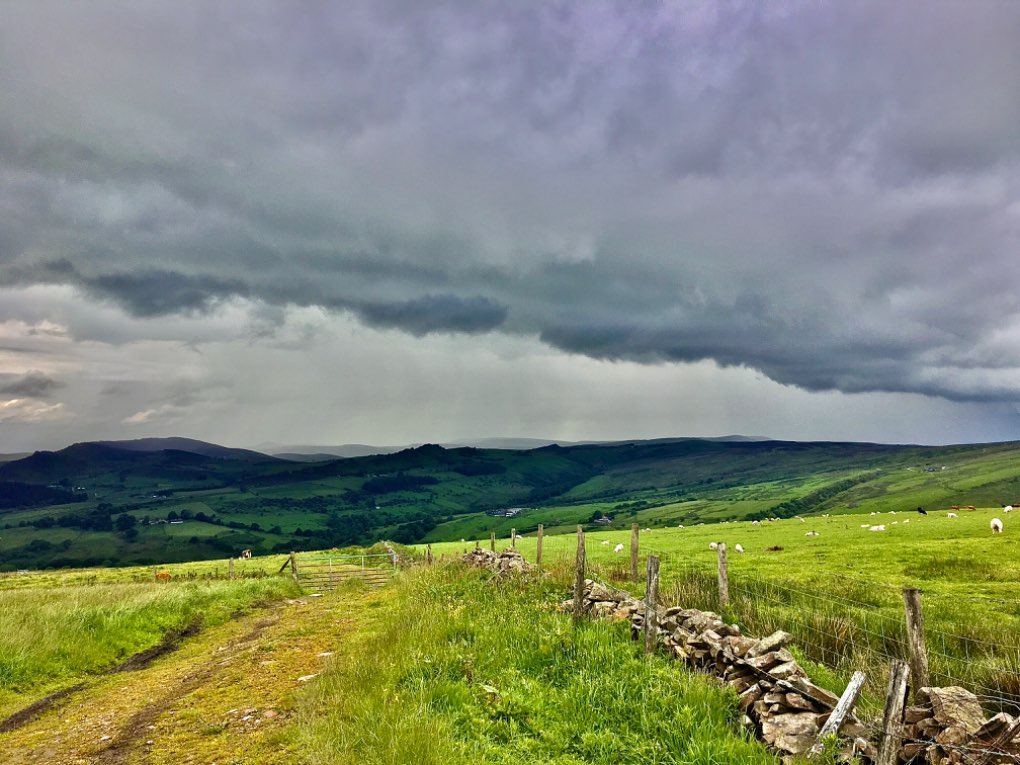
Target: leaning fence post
[[915, 640], [724, 577], [492, 541], [651, 604], [633, 551], [892, 719], [294, 566], [538, 543], [835, 721], [579, 577], [230, 568]]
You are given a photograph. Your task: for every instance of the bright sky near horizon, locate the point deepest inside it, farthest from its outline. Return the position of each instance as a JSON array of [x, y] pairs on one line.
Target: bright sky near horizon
[[394, 222]]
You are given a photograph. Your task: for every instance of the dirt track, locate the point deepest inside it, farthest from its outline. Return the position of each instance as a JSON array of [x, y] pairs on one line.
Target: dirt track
[[225, 696]]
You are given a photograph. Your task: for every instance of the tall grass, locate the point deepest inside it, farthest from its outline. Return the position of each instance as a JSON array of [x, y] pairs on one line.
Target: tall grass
[[458, 669], [51, 636]]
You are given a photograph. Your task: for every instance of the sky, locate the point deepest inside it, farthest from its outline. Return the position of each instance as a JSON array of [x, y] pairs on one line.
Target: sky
[[398, 221]]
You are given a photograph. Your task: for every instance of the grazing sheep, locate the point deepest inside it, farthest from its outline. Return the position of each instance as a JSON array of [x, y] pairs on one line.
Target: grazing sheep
[[865, 525], [996, 526], [680, 526], [950, 515], [811, 534], [877, 528], [971, 507], [922, 511], [605, 541], [907, 520], [713, 545], [1007, 508], [739, 548], [618, 548]]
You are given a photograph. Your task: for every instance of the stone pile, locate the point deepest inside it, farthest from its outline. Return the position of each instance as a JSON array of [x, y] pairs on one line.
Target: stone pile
[[503, 563], [781, 705], [948, 726]]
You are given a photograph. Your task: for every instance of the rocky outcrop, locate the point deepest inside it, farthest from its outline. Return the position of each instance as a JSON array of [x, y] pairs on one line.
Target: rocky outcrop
[[504, 563], [948, 726], [781, 705]]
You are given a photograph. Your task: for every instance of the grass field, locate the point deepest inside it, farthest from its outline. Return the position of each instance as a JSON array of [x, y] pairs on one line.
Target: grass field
[[840, 593], [54, 635], [454, 668]]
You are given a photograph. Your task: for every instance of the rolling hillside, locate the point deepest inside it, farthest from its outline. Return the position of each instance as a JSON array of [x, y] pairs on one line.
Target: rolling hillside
[[164, 500]]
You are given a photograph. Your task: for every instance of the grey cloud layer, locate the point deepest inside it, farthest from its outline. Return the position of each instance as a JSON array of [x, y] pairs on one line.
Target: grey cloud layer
[[29, 385], [829, 194]]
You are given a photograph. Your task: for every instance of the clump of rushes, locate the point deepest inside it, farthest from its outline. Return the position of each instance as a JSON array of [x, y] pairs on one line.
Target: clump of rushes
[[455, 668]]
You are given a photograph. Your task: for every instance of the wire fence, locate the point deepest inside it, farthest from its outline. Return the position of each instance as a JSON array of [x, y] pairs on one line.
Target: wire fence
[[843, 623]]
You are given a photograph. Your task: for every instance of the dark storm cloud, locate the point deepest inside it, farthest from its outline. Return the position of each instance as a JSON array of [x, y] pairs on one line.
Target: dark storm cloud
[[829, 194], [437, 313], [29, 385]]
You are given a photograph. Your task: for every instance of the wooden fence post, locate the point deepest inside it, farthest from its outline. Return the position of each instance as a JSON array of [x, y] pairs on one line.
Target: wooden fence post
[[428, 554], [538, 542], [651, 604], [835, 721], [513, 538], [492, 541], [892, 719], [294, 566], [915, 640], [724, 577], [579, 577], [230, 568], [633, 551]]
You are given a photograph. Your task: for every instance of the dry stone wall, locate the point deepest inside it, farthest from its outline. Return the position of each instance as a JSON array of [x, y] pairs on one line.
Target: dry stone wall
[[780, 703]]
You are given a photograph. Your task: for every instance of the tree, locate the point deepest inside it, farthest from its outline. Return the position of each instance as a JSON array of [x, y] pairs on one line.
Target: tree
[[125, 522]]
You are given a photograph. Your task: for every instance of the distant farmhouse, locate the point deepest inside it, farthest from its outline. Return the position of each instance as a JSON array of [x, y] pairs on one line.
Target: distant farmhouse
[[506, 512]]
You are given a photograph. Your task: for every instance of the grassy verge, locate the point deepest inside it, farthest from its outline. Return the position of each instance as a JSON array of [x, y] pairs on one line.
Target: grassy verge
[[53, 636], [457, 669]]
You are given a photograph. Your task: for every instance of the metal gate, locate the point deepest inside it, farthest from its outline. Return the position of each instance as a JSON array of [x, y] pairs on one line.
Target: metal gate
[[325, 572]]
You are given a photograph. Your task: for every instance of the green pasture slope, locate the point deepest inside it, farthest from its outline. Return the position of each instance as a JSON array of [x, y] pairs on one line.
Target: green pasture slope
[[230, 500]]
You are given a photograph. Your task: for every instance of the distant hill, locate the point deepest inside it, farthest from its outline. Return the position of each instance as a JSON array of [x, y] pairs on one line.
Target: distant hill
[[107, 503], [187, 445]]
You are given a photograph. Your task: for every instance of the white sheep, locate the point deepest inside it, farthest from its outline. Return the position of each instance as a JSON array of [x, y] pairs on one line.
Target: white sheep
[[996, 525], [605, 541], [618, 548], [713, 545], [801, 519], [680, 526], [950, 515], [907, 521], [865, 525], [811, 534], [877, 528], [739, 548], [1007, 508]]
